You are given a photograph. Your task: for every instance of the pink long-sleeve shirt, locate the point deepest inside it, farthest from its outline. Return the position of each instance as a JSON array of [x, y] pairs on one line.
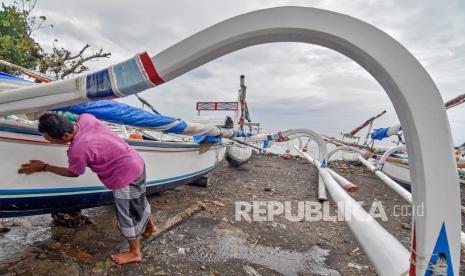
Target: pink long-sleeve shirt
[[96, 146]]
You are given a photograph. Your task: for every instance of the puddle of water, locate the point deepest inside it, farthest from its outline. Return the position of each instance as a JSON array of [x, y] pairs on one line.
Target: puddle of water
[[282, 261], [23, 233], [223, 242]]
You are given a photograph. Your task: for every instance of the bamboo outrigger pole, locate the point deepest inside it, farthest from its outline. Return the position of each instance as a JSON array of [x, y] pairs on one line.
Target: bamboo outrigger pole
[[366, 123], [455, 101]]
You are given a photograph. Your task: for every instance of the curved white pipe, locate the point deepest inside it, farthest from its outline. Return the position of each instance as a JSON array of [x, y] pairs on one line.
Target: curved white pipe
[[344, 148], [388, 153], [294, 134], [414, 95], [322, 147]]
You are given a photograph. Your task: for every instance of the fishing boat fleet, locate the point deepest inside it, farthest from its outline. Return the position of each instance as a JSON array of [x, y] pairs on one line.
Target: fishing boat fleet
[[206, 142], [393, 160]]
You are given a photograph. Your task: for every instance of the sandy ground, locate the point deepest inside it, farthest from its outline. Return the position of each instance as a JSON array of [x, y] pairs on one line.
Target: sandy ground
[[213, 242]]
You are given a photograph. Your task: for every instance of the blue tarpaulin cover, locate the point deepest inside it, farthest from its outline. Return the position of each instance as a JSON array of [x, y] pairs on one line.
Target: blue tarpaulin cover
[[266, 144], [204, 138], [379, 133], [115, 112], [8, 77]]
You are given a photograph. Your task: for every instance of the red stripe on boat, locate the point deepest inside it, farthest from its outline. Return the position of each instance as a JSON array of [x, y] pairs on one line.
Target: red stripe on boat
[[150, 69]]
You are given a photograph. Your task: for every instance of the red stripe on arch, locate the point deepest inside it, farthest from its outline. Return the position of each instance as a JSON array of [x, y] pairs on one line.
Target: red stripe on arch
[[413, 256], [150, 69]]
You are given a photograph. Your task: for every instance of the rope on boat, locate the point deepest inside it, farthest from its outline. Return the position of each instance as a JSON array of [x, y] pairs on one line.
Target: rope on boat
[[455, 101], [145, 102]]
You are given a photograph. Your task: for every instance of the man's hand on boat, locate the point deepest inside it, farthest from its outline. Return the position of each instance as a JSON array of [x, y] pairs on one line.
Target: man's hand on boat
[[32, 167], [35, 166]]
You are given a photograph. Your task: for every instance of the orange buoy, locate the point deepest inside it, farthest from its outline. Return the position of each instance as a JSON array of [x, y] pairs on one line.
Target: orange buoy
[[135, 136]]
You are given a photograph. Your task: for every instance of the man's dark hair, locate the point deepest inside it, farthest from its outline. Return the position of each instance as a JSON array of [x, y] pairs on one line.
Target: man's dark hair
[[55, 125]]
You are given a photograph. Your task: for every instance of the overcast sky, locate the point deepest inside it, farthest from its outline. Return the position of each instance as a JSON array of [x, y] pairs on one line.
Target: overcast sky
[[289, 84]]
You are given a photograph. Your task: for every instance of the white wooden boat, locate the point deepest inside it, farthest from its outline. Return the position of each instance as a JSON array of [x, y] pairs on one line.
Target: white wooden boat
[[168, 165], [400, 173], [236, 154], [399, 170]]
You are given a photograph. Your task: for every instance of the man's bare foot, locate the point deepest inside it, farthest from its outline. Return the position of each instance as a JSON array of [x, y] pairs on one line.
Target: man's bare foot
[[150, 229], [126, 257]]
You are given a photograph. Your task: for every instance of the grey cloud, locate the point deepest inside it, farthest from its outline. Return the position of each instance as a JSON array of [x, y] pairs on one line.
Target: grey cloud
[[289, 84]]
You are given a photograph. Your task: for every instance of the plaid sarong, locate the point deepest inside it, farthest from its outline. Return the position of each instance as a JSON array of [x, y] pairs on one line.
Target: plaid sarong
[[132, 208]]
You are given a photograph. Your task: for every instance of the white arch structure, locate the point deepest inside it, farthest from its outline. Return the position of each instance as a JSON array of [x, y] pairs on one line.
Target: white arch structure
[[414, 95]]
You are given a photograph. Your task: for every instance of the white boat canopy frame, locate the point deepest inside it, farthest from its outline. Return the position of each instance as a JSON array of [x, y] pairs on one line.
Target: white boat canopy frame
[[413, 93], [415, 97]]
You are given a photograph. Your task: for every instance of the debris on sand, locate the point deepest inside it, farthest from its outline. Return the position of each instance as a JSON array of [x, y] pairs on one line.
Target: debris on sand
[[251, 271], [177, 219], [71, 219], [4, 230], [218, 203]]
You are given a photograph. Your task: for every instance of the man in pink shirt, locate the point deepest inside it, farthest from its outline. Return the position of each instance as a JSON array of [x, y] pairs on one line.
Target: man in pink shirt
[[119, 167]]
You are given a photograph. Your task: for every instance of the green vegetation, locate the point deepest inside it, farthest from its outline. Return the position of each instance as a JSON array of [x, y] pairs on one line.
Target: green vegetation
[[17, 44]]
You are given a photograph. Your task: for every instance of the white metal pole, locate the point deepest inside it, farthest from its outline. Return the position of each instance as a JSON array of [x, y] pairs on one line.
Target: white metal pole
[[406, 195], [386, 179], [368, 133], [385, 252], [322, 196], [346, 184]]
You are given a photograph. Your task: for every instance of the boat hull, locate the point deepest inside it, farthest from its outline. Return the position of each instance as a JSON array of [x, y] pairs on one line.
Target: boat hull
[[238, 155], [400, 173], [168, 165]]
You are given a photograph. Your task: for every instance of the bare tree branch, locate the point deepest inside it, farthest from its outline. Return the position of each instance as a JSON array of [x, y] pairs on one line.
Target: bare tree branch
[[74, 67], [81, 52]]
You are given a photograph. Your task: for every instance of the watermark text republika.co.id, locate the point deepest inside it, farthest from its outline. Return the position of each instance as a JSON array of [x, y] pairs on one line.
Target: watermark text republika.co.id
[[315, 211]]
